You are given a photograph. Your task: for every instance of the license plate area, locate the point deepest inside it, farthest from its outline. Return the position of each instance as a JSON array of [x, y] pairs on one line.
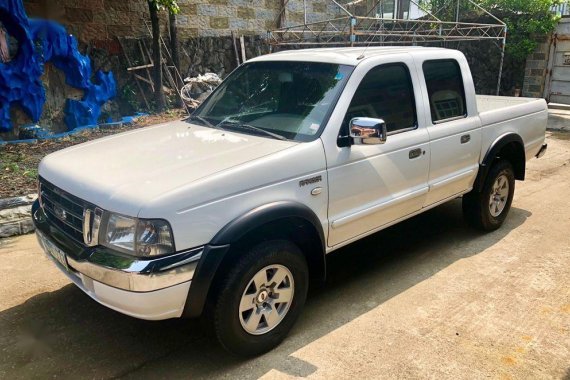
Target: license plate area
[[52, 250]]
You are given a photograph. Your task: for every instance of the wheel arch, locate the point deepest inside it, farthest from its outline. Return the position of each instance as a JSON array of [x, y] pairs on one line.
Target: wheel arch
[[259, 216], [510, 147], [284, 219]]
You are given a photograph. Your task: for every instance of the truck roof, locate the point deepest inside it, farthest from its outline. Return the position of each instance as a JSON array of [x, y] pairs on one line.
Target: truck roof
[[341, 55]]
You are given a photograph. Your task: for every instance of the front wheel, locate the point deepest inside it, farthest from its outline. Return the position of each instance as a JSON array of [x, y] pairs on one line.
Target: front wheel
[[488, 209], [261, 298]]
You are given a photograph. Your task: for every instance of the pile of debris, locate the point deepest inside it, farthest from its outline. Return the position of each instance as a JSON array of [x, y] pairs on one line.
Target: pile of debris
[[197, 89]]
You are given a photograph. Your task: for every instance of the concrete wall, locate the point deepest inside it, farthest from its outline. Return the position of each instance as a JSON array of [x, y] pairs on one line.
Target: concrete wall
[[535, 69], [557, 81]]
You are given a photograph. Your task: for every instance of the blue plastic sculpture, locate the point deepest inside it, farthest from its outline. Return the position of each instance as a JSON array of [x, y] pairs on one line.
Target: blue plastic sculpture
[[42, 41]]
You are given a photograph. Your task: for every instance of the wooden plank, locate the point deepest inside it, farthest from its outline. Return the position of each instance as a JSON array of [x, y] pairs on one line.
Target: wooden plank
[[147, 51], [164, 64], [141, 67], [235, 48], [138, 83], [242, 44], [146, 80], [148, 74]]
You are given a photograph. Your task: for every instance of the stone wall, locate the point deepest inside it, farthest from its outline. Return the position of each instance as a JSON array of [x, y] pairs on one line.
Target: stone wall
[[97, 22], [535, 70], [204, 27], [15, 215], [199, 55], [101, 21], [220, 17]]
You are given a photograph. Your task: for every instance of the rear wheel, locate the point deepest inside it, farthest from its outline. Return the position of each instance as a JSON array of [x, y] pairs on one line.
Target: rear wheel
[[261, 298], [488, 209]]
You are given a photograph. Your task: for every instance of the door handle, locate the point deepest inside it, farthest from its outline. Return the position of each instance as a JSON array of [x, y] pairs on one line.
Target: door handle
[[465, 139], [415, 153]]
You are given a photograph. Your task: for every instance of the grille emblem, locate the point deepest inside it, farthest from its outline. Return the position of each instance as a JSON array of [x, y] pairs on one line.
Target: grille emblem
[[59, 213]]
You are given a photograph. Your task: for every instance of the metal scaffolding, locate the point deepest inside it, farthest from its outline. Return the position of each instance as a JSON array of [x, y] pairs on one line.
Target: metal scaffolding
[[359, 25]]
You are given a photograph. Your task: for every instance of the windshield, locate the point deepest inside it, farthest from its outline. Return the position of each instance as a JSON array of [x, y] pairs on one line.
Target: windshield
[[289, 100]]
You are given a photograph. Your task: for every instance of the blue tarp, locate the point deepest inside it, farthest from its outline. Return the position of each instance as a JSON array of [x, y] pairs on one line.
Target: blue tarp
[[41, 41], [34, 133]]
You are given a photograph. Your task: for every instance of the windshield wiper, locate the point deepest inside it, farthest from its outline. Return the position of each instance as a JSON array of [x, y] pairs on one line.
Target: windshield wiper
[[203, 120], [250, 127], [237, 125]]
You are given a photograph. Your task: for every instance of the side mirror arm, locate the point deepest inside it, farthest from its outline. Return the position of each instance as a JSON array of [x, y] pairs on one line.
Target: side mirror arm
[[344, 141]]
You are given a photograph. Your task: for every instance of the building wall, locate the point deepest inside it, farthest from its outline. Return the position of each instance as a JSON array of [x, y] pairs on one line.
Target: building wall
[[101, 20], [92, 21], [220, 17]]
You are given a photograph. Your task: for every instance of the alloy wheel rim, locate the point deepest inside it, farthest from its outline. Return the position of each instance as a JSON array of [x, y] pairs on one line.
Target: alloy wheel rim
[[266, 299], [499, 195]]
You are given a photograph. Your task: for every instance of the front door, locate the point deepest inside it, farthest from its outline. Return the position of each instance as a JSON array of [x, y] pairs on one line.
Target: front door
[[371, 186]]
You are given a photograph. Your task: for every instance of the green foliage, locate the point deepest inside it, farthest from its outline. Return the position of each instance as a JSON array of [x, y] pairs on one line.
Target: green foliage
[[526, 19], [12, 167], [170, 5], [31, 173]]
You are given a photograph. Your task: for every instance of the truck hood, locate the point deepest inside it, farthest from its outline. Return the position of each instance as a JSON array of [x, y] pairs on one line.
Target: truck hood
[[123, 172]]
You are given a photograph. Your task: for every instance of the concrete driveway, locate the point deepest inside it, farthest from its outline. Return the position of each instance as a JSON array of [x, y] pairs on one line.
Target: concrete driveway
[[429, 298]]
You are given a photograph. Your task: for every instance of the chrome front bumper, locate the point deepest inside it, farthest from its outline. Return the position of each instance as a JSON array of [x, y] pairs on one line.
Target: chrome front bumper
[[140, 275], [133, 274], [144, 288]]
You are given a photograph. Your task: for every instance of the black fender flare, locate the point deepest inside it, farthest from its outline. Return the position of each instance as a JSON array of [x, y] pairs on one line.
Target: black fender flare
[[493, 153], [219, 246], [261, 215]]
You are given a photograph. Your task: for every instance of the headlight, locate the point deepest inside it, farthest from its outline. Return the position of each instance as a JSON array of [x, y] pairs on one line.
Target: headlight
[[139, 237]]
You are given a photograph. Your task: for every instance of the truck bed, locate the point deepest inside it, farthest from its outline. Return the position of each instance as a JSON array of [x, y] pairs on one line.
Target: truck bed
[[494, 109], [526, 117]]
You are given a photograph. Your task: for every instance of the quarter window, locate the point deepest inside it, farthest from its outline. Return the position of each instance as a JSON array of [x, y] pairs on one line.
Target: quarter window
[[445, 89], [386, 92]]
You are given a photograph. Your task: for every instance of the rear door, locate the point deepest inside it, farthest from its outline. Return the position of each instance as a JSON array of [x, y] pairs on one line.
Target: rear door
[[453, 126]]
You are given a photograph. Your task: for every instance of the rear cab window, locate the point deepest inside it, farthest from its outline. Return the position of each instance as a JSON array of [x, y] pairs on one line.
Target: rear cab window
[[446, 94]]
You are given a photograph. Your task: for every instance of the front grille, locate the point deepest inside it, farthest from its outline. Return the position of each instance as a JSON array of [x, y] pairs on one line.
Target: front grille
[[62, 209]]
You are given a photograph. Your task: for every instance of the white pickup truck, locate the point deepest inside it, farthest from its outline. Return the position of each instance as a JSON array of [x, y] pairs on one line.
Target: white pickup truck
[[293, 156]]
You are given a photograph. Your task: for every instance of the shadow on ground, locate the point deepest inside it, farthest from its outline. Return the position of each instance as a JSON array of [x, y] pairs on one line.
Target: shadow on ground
[[66, 334]]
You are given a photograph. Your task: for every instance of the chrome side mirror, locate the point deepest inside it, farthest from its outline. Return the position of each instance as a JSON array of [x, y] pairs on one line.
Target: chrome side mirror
[[368, 131]]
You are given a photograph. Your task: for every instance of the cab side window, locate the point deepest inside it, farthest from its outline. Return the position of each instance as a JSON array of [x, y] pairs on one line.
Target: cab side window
[[386, 92], [445, 90]]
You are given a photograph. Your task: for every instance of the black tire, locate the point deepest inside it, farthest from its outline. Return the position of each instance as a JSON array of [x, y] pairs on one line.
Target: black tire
[[232, 336], [476, 204]]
